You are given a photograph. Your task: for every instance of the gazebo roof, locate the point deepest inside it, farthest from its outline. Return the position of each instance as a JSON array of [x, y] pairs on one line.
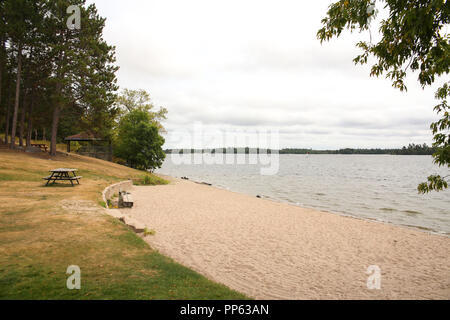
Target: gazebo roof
[[84, 136]]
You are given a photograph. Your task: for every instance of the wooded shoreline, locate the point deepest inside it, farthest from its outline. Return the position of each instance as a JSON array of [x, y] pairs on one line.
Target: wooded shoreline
[[411, 149]]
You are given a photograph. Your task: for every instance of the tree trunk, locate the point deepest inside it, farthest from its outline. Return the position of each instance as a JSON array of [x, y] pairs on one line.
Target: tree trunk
[[57, 110], [56, 114], [16, 103], [2, 46], [8, 116], [30, 119], [29, 132], [8, 112], [22, 118]]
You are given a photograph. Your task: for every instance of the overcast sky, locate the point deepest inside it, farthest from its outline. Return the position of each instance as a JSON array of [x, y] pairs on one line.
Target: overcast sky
[[244, 65]]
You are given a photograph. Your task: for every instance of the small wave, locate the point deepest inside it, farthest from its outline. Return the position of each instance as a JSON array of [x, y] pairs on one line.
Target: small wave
[[411, 212], [388, 209], [421, 228]]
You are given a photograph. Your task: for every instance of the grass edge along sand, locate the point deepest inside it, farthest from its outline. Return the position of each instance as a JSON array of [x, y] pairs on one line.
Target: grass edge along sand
[[44, 230]]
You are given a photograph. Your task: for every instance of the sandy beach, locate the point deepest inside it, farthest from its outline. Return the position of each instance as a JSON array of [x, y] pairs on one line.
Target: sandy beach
[[271, 250]]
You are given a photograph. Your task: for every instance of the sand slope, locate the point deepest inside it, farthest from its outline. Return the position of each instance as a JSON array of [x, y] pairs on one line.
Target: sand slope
[[271, 250]]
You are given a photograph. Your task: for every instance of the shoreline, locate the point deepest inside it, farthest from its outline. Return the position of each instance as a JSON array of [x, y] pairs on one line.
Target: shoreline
[[272, 250], [342, 214]]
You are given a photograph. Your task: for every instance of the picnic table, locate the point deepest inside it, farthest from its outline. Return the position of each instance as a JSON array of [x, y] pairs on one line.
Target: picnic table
[[42, 146], [63, 174]]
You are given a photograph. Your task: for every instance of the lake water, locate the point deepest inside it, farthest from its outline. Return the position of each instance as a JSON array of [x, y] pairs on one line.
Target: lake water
[[378, 187]]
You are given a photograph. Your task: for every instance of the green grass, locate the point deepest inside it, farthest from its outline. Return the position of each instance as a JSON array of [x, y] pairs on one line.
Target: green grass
[[149, 180], [150, 232], [144, 274], [39, 239]]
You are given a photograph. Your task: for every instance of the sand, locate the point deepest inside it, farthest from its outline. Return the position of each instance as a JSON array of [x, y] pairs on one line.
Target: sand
[[271, 250]]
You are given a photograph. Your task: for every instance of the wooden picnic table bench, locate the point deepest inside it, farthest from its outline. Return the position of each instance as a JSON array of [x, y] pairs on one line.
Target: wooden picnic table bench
[[42, 146], [63, 174]]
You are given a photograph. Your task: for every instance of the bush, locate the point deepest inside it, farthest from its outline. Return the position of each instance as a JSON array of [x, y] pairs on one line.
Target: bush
[[149, 180]]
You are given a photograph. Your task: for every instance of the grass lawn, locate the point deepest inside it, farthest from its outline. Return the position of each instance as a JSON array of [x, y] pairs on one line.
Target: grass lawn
[[43, 230]]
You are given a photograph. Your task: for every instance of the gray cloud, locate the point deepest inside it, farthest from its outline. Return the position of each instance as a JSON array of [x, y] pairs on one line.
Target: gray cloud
[[249, 64]]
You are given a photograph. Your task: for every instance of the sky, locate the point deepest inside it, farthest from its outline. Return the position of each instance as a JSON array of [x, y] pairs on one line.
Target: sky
[[249, 66]]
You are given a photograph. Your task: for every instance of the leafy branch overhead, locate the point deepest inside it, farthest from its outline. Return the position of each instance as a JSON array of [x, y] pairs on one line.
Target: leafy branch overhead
[[413, 39]]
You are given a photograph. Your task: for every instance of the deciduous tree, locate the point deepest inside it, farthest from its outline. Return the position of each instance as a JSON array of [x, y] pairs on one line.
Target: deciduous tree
[[413, 39], [138, 141]]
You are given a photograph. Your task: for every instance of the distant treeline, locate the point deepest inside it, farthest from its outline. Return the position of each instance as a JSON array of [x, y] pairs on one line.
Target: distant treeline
[[411, 149], [221, 150]]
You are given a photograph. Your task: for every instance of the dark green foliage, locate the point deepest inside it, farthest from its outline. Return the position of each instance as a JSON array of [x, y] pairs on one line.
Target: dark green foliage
[[67, 77], [56, 82], [414, 38], [138, 141], [436, 183], [416, 149]]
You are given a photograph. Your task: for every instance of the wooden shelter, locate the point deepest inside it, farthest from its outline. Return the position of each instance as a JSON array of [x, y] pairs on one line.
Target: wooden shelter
[[97, 147]]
